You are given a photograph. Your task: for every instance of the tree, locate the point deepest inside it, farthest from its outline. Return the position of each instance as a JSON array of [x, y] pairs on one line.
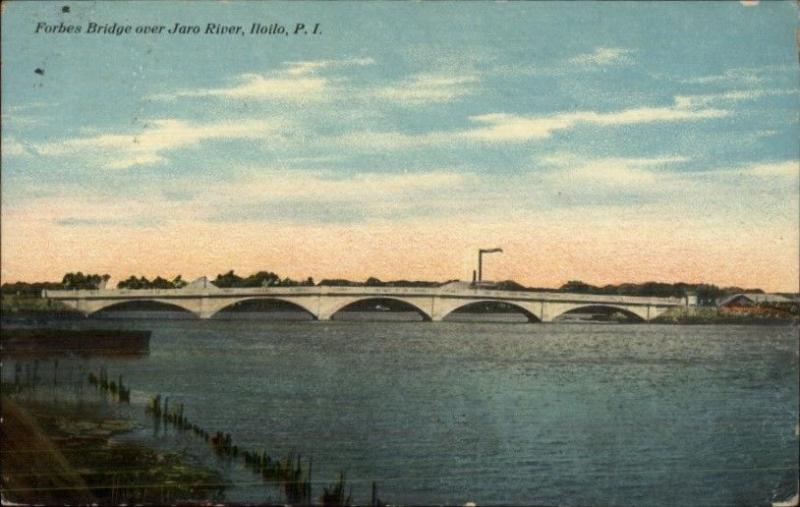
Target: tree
[[161, 283], [261, 279], [338, 282], [79, 281], [229, 279], [134, 283], [157, 283], [577, 286]]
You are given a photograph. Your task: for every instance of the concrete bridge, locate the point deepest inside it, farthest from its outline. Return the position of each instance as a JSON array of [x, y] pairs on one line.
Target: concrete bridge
[[322, 302]]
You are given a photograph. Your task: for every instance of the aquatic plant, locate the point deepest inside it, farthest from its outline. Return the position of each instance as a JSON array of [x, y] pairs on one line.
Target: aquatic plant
[[333, 495]]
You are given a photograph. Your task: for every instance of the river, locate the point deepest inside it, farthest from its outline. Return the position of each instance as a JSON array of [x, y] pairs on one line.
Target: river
[[492, 413]]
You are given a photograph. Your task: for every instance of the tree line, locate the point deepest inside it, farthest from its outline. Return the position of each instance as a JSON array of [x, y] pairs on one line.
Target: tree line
[[707, 294], [223, 281], [70, 281], [92, 281], [259, 279]]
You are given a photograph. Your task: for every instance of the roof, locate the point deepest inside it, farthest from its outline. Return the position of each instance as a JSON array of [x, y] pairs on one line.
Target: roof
[[456, 285], [201, 283], [756, 297]]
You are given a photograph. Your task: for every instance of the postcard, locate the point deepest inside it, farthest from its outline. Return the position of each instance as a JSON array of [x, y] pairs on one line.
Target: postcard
[[400, 253]]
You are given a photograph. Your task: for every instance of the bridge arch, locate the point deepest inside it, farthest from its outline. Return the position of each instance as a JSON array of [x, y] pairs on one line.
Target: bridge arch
[[228, 305], [520, 308], [143, 304], [633, 313], [407, 303]]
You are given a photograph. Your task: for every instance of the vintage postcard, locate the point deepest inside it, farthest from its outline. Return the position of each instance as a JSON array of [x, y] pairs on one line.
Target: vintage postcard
[[400, 253]]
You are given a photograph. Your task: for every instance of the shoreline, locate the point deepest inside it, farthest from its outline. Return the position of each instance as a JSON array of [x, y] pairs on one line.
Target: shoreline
[[713, 316], [55, 453]]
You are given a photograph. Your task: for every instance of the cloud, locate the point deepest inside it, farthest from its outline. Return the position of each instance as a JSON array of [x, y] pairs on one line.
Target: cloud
[[17, 119], [786, 168], [617, 172], [602, 56], [257, 194], [105, 222], [690, 101], [323, 197], [326, 185], [599, 58], [299, 82], [429, 88], [510, 127], [668, 185], [12, 147], [257, 86], [742, 75], [501, 127], [657, 175], [372, 141], [121, 151], [506, 128], [303, 67]]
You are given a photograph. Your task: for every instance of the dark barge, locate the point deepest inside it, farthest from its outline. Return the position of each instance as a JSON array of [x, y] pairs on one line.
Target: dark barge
[[82, 342]]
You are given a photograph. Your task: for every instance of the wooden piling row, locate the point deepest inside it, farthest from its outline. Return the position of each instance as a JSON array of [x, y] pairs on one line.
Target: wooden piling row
[[118, 391], [288, 473]]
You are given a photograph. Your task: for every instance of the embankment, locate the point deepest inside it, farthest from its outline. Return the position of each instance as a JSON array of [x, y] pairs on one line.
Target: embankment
[[54, 454]]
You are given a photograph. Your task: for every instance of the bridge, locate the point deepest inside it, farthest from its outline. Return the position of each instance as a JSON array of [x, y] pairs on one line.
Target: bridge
[[323, 302]]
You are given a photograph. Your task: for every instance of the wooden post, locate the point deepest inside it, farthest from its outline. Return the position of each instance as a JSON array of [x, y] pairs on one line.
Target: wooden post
[[309, 489]]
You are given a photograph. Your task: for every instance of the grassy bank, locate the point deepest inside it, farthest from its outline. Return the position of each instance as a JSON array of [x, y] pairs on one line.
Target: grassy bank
[[700, 316], [28, 307], [57, 454]]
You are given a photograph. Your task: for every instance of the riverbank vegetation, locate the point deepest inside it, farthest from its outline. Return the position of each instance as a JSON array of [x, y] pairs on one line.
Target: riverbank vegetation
[[34, 307], [707, 294], [57, 453], [700, 316]]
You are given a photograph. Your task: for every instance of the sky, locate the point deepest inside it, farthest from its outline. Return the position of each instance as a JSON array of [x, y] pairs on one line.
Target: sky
[[604, 142]]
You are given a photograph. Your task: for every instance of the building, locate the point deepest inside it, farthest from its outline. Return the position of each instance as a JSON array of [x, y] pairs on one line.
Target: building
[[758, 303]]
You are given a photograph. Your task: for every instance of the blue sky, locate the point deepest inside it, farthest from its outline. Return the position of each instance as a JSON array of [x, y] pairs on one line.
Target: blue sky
[[603, 141]]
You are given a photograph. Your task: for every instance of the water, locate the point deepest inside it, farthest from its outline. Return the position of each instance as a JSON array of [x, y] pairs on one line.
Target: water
[[445, 413]]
